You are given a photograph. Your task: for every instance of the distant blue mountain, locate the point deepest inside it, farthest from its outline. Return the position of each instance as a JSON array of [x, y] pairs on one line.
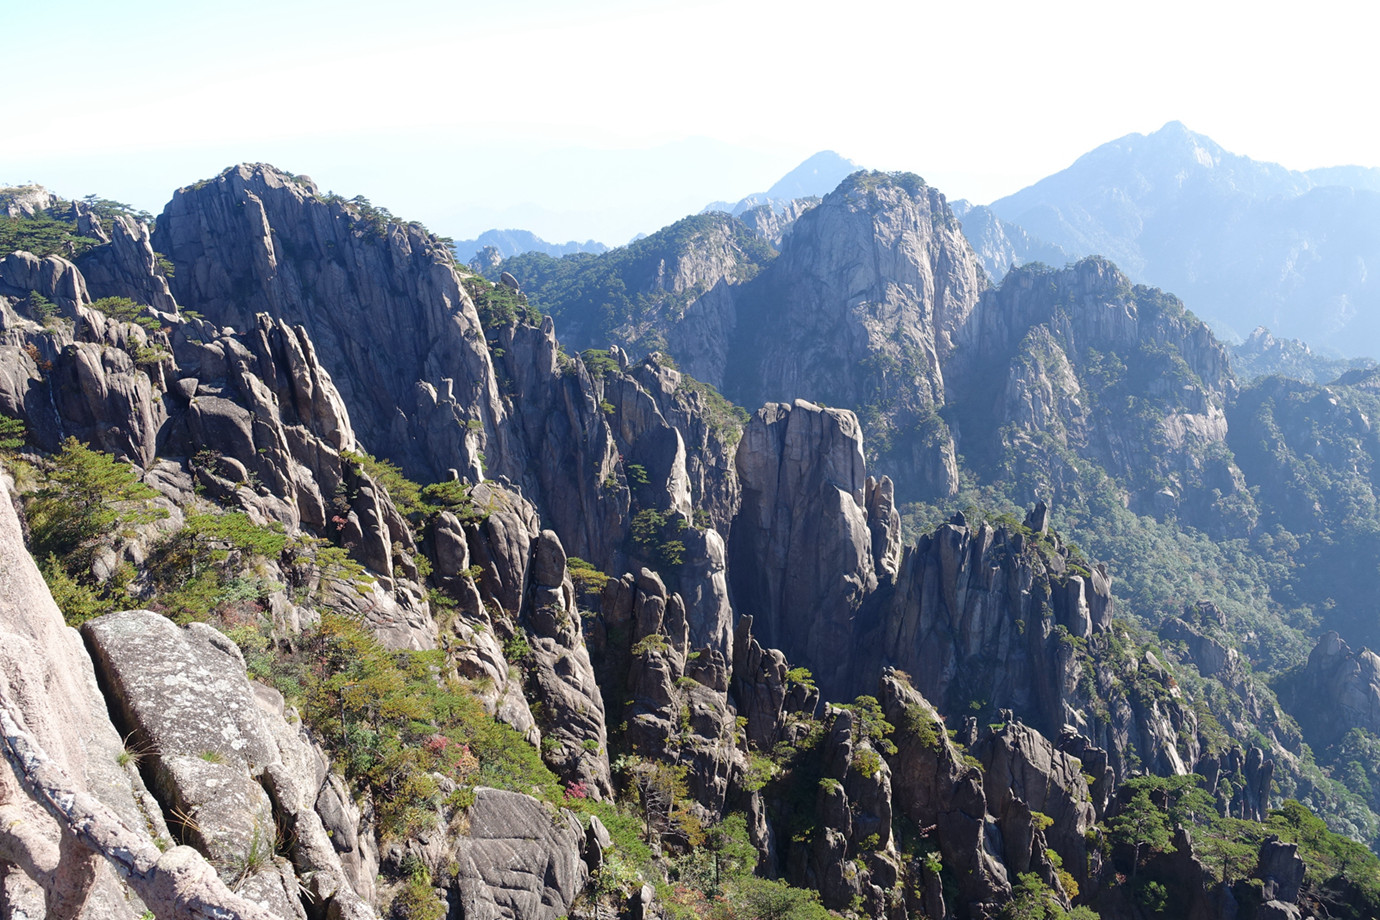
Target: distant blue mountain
[[815, 178], [1244, 243], [515, 242]]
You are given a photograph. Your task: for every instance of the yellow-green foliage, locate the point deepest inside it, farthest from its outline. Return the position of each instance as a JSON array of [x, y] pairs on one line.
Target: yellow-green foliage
[[588, 579], [390, 721], [198, 571]]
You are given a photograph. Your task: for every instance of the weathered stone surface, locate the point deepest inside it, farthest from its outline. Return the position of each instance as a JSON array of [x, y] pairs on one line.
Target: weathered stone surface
[[127, 267], [181, 694], [222, 758], [1343, 690], [1282, 870], [382, 303], [943, 795], [1039, 326], [518, 862], [45, 669], [801, 559], [1021, 765], [561, 676], [862, 308]]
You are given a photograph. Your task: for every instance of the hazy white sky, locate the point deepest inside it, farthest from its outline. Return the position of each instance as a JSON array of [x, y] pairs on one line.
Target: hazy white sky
[[603, 118]]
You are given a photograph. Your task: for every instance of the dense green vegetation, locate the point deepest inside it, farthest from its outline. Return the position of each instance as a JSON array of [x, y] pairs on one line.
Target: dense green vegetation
[[85, 499], [1343, 877]]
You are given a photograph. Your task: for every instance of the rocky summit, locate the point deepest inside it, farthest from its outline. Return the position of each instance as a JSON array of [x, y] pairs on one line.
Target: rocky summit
[[779, 564]]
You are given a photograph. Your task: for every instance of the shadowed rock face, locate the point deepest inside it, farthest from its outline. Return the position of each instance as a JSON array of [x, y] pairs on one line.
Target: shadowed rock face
[[800, 554], [1117, 375], [1340, 689]]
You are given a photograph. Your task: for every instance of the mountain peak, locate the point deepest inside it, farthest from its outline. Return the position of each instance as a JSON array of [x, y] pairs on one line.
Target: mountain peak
[[818, 175]]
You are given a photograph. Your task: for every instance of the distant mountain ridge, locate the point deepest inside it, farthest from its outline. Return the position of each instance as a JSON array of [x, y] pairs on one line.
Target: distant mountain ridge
[[1243, 242], [816, 177], [515, 242]]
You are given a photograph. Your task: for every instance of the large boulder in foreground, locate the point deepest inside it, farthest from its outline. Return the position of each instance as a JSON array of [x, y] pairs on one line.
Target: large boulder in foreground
[[517, 860], [224, 763]]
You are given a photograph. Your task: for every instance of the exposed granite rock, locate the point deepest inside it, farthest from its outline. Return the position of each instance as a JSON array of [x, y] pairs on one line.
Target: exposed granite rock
[[943, 795], [380, 299], [127, 266], [1021, 765], [518, 862], [678, 707], [560, 674], [225, 764], [852, 858], [182, 695], [562, 453], [1282, 870], [1001, 245], [861, 309], [1105, 371], [1211, 657], [801, 559], [774, 220], [1343, 690], [524, 590], [46, 670], [973, 616]]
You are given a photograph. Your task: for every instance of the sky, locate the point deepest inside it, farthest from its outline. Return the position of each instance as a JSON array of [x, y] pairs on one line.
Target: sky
[[602, 119]]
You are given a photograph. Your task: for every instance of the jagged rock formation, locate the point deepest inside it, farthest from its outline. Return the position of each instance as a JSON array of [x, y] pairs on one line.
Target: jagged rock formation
[[523, 590], [755, 557], [944, 796], [860, 309], [1263, 355], [1001, 245], [1022, 774], [801, 547], [380, 300], [773, 221], [1339, 689], [673, 286]]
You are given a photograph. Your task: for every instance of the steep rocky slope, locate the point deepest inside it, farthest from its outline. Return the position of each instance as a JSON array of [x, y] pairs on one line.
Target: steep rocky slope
[[859, 310], [1097, 371]]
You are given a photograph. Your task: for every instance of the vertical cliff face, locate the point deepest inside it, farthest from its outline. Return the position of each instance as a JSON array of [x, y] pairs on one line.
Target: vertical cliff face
[[381, 300], [801, 550], [986, 617]]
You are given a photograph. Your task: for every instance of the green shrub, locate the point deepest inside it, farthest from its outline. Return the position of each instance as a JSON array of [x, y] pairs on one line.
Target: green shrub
[[126, 311], [388, 724], [12, 434], [86, 498]]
